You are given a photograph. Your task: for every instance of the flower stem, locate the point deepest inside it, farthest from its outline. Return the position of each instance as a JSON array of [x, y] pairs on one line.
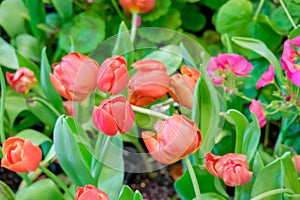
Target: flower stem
[[260, 5], [149, 112], [133, 26], [118, 10], [193, 177], [272, 192], [3, 91], [56, 180], [51, 107], [288, 14]]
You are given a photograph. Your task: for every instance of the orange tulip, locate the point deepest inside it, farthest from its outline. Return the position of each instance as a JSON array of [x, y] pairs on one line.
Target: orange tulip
[[90, 192], [20, 155], [232, 168], [75, 77], [149, 83], [138, 6], [190, 72], [113, 75], [113, 115], [176, 138], [21, 81]]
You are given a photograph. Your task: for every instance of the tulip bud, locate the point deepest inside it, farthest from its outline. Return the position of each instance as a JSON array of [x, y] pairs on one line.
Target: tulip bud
[[113, 115], [138, 6], [75, 77], [232, 168], [296, 161], [190, 72], [20, 155], [258, 110], [90, 192], [176, 137], [113, 75], [149, 83], [22, 80], [69, 108]]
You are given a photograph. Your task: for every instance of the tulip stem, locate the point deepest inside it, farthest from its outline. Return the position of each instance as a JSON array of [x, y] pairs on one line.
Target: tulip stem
[[193, 177], [3, 91], [288, 14], [118, 10], [56, 180], [149, 112], [133, 26], [260, 5], [272, 192]]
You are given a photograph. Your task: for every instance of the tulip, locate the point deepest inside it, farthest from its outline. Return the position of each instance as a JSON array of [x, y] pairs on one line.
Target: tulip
[[22, 80], [176, 137], [296, 161], [257, 109], [20, 155], [232, 168], [113, 75], [190, 72], [138, 6], [149, 83], [266, 78], [113, 115], [75, 77], [90, 192], [69, 108]]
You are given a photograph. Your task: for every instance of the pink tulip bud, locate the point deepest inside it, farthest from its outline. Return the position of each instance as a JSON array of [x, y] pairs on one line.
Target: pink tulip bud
[[22, 80], [75, 77], [138, 6], [149, 83], [176, 137], [113, 75], [90, 192], [296, 161], [258, 110], [69, 108], [190, 72], [113, 115], [266, 78], [232, 168]]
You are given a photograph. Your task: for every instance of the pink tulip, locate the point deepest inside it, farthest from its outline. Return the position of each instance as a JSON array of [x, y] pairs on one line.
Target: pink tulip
[[176, 138], [138, 6], [232, 168], [22, 80], [296, 161], [258, 110], [266, 78], [113, 115], [69, 108], [190, 72], [149, 83], [113, 75], [75, 77], [90, 192]]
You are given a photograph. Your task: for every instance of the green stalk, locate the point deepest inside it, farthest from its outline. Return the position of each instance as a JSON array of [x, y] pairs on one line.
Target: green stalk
[[149, 112], [3, 91], [260, 5], [193, 177], [288, 14], [118, 10], [272, 192], [56, 180], [46, 103], [133, 26]]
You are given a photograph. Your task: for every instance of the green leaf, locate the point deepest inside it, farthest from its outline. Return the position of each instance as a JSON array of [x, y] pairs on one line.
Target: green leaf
[[213, 4], [293, 6], [64, 8], [137, 195], [34, 136], [259, 47], [73, 161], [294, 33], [13, 22], [212, 196], [169, 55], [28, 46], [192, 18], [43, 189], [160, 9], [5, 192], [126, 193], [280, 22], [51, 94], [86, 30], [8, 57], [14, 105], [23, 61], [240, 122]]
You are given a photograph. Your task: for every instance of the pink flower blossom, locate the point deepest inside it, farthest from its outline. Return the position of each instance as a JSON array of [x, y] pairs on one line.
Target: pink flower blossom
[[239, 65], [258, 110], [266, 78]]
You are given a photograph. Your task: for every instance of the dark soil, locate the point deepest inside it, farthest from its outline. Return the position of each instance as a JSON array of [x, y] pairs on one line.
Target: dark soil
[[10, 178]]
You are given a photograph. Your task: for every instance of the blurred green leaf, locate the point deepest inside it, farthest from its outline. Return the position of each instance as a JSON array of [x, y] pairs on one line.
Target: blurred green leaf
[[5, 192], [125, 193], [28, 46], [13, 22], [280, 22], [34, 136], [64, 8], [293, 6], [137, 195], [14, 105], [8, 57], [294, 33], [86, 30], [192, 18], [160, 9], [213, 4]]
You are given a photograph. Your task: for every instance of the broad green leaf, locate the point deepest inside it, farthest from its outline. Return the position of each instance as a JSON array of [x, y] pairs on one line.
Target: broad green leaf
[[8, 57], [212, 196], [259, 47], [294, 33], [34, 136], [28, 46], [186, 55], [5, 192], [169, 55], [13, 22], [293, 7], [280, 22], [241, 123], [14, 105], [51, 94], [84, 33], [192, 18], [23, 61], [126, 193], [44, 189], [64, 8], [213, 4], [73, 161], [160, 9], [137, 195]]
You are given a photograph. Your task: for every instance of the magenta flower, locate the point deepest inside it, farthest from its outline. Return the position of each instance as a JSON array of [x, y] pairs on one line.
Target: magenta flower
[[289, 59], [258, 110], [266, 78], [239, 65]]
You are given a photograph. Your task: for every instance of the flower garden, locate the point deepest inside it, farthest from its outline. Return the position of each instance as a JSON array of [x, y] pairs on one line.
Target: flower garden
[[201, 98]]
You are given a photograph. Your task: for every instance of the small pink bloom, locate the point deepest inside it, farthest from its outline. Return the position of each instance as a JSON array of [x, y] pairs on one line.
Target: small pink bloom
[[90, 192], [216, 71], [266, 78], [239, 65], [22, 80], [232, 168], [113, 75], [258, 110], [296, 161], [113, 115], [139, 6], [90, 1]]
